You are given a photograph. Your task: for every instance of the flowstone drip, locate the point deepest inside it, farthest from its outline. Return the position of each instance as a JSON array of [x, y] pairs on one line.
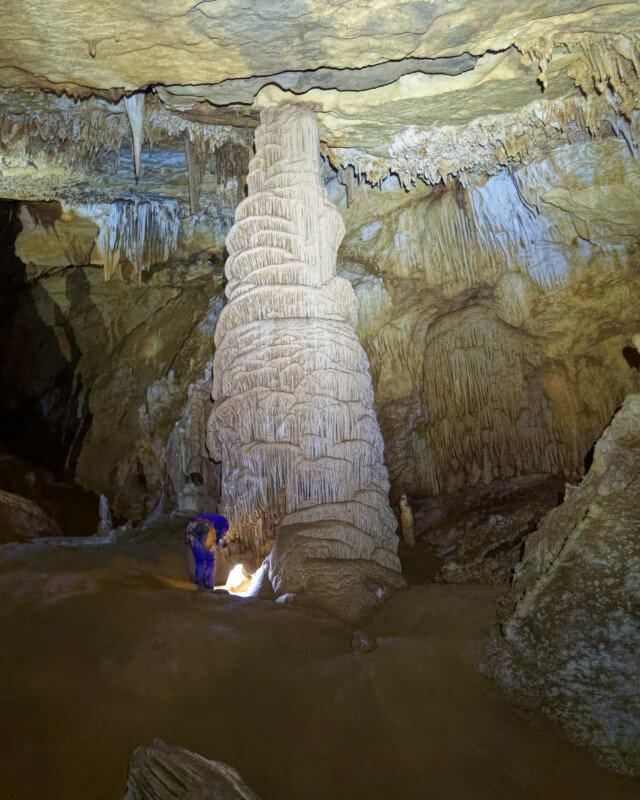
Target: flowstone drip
[[134, 235], [293, 419]]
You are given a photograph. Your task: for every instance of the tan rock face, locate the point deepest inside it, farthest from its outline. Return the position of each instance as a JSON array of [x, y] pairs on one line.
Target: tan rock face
[[293, 421], [497, 318], [572, 641], [209, 42], [110, 370], [138, 395]]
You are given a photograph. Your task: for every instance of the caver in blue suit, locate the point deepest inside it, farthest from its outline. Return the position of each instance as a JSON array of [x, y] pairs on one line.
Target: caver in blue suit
[[205, 535]]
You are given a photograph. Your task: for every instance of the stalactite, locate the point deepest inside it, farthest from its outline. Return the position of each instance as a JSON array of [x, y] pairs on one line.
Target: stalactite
[[76, 132], [134, 106], [143, 233], [482, 147], [195, 168], [605, 65], [293, 420], [230, 160], [610, 67], [349, 179]]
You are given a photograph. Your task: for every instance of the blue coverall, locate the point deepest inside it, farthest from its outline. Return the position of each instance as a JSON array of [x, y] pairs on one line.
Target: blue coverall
[[204, 546]]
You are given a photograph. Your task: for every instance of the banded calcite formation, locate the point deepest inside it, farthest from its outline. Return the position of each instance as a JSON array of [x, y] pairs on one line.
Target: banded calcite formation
[[293, 420]]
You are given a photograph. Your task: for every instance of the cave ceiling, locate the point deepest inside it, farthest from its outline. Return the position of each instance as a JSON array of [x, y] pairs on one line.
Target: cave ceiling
[[423, 90]]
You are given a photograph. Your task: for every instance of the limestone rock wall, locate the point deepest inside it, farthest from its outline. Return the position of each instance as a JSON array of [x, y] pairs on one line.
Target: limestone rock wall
[[497, 317], [293, 419], [572, 642], [113, 373], [127, 237], [144, 414]]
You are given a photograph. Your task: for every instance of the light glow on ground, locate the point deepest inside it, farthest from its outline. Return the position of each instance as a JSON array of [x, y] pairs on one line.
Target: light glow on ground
[[238, 581]]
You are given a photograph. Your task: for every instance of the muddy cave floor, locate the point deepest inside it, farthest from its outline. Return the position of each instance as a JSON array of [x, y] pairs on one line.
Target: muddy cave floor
[[106, 647]]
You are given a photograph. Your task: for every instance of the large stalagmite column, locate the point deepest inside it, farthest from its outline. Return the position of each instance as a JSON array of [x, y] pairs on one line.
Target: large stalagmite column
[[293, 420]]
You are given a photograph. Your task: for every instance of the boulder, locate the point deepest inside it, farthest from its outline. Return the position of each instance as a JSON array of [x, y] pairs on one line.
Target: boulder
[[164, 772], [573, 639], [22, 519]]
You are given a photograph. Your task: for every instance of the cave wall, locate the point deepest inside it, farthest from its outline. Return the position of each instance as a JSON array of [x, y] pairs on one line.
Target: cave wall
[[571, 631], [108, 380], [117, 372], [157, 340], [497, 317]]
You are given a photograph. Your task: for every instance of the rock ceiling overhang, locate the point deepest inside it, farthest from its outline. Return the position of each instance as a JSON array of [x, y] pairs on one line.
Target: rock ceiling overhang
[[421, 89], [131, 45]]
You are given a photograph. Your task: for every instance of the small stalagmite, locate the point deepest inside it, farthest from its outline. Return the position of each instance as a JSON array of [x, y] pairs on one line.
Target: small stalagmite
[[406, 521], [293, 420]]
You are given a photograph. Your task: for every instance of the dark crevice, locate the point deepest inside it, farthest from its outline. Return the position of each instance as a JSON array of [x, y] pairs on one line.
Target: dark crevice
[[242, 91], [43, 421], [41, 415]]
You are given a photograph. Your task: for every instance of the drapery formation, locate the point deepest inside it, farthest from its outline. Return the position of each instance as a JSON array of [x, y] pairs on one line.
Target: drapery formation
[[293, 420]]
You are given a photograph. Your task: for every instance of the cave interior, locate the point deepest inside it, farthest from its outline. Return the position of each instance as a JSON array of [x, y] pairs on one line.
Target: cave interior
[[360, 279]]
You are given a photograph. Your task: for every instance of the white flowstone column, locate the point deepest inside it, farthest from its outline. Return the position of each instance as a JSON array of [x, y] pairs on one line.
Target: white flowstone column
[[293, 420]]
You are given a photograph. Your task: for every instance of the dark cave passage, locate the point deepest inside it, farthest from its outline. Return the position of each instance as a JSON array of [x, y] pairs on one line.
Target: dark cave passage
[[43, 409]]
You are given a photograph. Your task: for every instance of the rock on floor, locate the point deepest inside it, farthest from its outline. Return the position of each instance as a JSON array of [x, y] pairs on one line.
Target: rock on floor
[[163, 772]]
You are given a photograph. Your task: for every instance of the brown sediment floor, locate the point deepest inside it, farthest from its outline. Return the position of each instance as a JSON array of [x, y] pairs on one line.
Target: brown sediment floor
[[104, 648]]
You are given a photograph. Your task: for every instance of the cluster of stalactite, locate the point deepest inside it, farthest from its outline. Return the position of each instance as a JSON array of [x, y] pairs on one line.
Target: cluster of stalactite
[[484, 146], [226, 161], [134, 235], [607, 65], [61, 129], [78, 132], [607, 71], [293, 420]]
